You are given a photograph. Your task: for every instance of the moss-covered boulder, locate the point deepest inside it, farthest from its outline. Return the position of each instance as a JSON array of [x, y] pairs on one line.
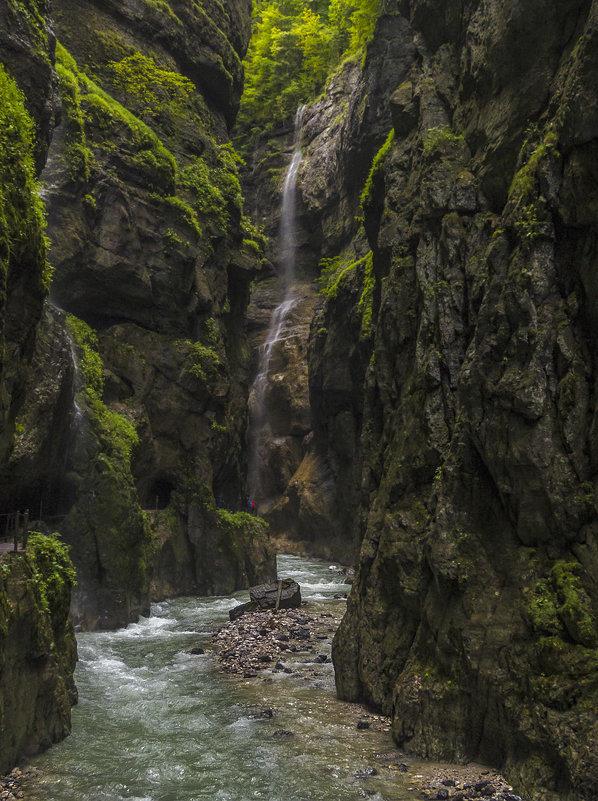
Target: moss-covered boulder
[[37, 649]]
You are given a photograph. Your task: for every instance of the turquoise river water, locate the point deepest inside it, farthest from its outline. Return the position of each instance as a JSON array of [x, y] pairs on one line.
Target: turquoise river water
[[155, 723]]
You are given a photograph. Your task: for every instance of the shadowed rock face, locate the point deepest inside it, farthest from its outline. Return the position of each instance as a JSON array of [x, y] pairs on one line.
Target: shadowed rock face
[[144, 214], [472, 620], [38, 654]]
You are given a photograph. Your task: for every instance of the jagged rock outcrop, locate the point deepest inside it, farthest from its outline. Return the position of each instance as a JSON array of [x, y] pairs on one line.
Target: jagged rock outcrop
[[473, 618], [145, 379], [38, 651]]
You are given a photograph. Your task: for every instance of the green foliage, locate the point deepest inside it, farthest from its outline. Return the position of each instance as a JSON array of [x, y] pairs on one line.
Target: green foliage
[[77, 153], [376, 165], [202, 362], [295, 46], [212, 186], [115, 432], [439, 139], [54, 573], [22, 221], [89, 362], [149, 89], [524, 190]]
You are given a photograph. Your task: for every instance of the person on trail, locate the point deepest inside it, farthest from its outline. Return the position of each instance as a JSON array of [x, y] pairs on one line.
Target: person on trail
[[252, 507]]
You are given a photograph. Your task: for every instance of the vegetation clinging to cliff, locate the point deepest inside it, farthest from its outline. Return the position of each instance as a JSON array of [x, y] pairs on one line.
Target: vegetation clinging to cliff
[[54, 573], [295, 46], [22, 221]]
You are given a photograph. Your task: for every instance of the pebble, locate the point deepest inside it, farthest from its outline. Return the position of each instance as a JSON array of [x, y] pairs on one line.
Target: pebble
[[11, 784]]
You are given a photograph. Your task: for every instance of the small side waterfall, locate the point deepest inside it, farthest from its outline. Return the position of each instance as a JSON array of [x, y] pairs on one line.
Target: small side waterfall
[[259, 429]]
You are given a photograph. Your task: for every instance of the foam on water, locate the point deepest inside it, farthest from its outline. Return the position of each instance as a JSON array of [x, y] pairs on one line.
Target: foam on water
[[157, 724]]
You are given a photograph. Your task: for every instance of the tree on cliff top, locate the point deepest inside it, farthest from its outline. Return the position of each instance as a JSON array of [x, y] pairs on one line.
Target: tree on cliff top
[[295, 46]]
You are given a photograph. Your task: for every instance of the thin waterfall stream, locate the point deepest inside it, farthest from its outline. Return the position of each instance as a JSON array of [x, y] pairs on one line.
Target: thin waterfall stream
[[258, 422], [156, 723]]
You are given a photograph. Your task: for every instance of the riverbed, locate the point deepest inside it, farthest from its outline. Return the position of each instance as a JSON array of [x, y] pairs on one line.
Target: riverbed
[[157, 723]]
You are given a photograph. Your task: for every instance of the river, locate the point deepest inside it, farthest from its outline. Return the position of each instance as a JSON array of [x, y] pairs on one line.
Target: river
[[155, 723]]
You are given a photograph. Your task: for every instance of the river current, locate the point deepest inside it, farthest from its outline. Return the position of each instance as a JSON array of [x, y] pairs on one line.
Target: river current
[[155, 723]]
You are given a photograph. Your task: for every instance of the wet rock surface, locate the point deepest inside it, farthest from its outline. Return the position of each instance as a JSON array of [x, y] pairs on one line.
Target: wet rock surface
[[160, 296], [283, 594]]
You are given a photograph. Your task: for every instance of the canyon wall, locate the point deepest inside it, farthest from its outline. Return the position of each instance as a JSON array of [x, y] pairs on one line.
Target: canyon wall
[[135, 408], [473, 618]]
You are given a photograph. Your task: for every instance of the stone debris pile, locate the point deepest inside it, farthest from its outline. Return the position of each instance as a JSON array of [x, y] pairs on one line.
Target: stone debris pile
[[281, 641], [11, 785], [469, 782]]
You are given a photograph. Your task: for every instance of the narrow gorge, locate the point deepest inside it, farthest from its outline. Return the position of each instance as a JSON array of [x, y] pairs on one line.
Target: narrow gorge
[[344, 269]]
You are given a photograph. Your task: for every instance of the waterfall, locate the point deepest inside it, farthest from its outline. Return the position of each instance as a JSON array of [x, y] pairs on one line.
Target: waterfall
[[258, 420]]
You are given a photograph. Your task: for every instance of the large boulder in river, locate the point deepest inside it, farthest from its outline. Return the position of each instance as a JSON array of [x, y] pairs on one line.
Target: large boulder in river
[[266, 595]]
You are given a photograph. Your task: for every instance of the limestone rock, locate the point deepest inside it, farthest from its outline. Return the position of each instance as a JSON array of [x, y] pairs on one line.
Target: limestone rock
[[266, 596]]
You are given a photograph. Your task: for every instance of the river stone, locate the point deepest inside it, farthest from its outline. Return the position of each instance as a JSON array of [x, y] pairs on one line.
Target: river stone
[[238, 611], [265, 595]]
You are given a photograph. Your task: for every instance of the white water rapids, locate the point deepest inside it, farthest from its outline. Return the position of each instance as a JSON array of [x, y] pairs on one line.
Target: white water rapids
[[155, 723]]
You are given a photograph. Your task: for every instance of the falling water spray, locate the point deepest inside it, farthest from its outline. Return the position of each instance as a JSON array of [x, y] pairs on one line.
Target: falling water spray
[[259, 427]]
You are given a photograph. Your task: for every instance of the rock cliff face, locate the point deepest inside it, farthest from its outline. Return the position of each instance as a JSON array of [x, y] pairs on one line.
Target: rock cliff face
[[28, 102], [473, 619], [37, 650], [136, 410], [313, 466]]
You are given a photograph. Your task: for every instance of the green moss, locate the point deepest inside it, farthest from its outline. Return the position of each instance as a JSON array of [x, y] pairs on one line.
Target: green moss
[[28, 12], [78, 155], [54, 573], [376, 166], [524, 190], [22, 221], [441, 139], [237, 520], [165, 9], [575, 608], [137, 143], [560, 606], [149, 89], [212, 187], [366, 301], [115, 432], [542, 609], [184, 210]]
